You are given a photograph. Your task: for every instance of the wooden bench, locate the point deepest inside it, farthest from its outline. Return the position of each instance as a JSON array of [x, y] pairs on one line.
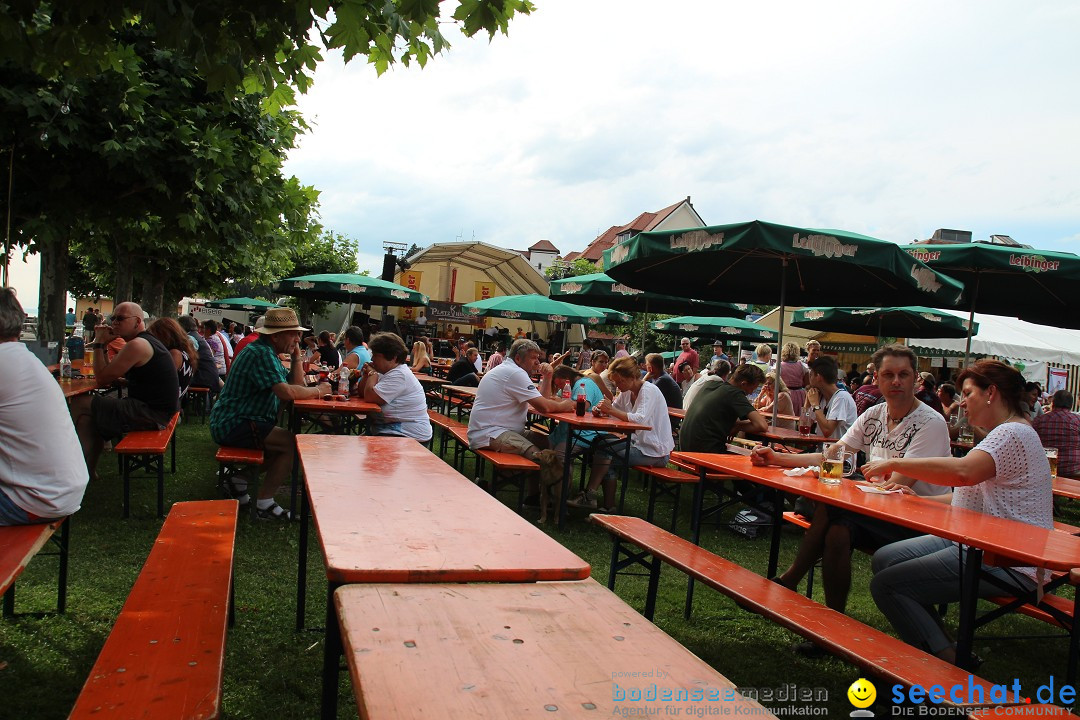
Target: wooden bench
[[165, 655], [506, 469], [18, 545], [230, 460], [873, 651], [451, 429], [665, 482], [202, 399], [145, 450]]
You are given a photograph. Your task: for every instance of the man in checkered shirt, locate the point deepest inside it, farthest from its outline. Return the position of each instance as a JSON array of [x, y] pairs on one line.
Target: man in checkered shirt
[[1060, 428]]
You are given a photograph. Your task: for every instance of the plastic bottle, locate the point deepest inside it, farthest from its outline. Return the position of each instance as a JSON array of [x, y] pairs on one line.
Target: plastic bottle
[[566, 392], [343, 381], [580, 405], [65, 364]]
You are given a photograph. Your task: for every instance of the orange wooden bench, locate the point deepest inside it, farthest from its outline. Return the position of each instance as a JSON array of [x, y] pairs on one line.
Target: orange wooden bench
[[200, 399], [451, 430], [665, 482], [165, 655], [20, 543], [872, 650], [230, 460], [506, 469], [145, 450]]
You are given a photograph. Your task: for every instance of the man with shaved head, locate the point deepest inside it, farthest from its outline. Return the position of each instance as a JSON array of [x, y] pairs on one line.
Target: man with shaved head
[[153, 390]]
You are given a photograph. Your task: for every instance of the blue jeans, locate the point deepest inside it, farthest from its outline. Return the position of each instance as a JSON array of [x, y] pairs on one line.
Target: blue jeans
[[12, 514], [615, 448], [912, 576]]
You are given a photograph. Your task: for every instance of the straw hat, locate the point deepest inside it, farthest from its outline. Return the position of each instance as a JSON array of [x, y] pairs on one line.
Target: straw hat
[[279, 320]]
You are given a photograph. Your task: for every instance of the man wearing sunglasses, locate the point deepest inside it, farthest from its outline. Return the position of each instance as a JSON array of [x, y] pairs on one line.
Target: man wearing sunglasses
[[153, 391]]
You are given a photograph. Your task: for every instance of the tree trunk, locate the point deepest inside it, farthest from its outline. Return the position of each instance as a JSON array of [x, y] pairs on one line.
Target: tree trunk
[[153, 294], [171, 303], [123, 283], [52, 291]]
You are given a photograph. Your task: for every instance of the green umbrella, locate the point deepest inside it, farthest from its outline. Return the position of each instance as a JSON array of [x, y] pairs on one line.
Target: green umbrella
[[762, 262], [534, 307], [614, 317], [240, 303], [730, 328], [348, 287], [1034, 285], [908, 322], [599, 289]]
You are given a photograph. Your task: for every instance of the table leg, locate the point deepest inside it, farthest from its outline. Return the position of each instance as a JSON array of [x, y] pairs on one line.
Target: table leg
[[695, 531], [294, 423], [331, 656], [571, 438], [969, 596], [301, 564], [774, 544], [625, 472]]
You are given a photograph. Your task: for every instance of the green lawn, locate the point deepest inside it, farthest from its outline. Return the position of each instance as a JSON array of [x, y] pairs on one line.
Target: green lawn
[[273, 671]]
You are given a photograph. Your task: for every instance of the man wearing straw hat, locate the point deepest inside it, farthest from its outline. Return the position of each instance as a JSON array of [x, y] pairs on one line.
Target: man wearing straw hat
[[246, 411]]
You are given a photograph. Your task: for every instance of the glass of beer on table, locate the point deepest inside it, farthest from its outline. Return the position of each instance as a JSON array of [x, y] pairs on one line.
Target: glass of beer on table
[[836, 464], [1052, 458], [88, 361]]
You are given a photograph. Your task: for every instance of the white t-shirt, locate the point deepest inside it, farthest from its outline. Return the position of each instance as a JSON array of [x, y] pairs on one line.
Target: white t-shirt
[[501, 404], [1021, 488], [922, 434], [694, 389], [41, 462], [650, 409], [841, 407], [405, 411]]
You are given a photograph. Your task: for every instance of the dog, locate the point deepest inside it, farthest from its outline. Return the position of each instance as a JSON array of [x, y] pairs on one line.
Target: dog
[[551, 476]]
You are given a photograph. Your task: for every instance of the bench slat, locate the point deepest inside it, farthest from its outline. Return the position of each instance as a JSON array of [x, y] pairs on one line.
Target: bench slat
[[18, 545], [247, 456], [147, 441], [165, 655], [847, 638], [507, 461], [666, 474]]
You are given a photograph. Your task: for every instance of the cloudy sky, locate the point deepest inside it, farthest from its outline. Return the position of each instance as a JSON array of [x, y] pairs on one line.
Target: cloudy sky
[[890, 119]]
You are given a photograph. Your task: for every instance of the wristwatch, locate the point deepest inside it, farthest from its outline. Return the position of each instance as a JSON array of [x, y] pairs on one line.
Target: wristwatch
[[815, 408]]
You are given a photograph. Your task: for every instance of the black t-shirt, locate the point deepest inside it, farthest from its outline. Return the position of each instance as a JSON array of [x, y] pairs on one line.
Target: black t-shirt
[[671, 390], [89, 320], [461, 367], [206, 375], [155, 383], [710, 418], [328, 355]]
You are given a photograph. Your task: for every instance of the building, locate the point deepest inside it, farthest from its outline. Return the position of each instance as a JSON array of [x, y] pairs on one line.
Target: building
[[540, 255], [673, 217]]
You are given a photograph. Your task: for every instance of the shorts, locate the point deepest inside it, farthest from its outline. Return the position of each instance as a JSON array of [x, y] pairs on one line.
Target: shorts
[[12, 514], [247, 434], [869, 533], [115, 417], [517, 443]]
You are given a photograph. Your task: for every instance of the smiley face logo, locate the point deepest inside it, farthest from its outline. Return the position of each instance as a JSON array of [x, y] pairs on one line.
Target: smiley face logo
[[862, 693]]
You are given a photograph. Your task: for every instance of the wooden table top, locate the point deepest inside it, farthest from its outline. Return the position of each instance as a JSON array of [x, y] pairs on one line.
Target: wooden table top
[[429, 379], [80, 386], [469, 390], [588, 421], [1020, 543], [386, 509], [352, 405], [779, 434], [515, 651]]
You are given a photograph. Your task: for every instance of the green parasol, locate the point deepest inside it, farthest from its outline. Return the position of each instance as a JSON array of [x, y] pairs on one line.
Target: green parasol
[[348, 287], [534, 307], [731, 328], [912, 321], [763, 262], [599, 289], [240, 303], [1034, 285]]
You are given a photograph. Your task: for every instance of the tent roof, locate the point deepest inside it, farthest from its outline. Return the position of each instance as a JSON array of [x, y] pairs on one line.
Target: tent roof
[[507, 268], [1014, 339]]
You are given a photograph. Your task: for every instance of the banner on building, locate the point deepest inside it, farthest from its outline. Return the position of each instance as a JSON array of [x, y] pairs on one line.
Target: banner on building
[[411, 280]]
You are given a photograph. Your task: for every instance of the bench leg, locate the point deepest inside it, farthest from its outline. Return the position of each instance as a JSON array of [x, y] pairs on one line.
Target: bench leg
[[9, 601], [1074, 644], [125, 471], [675, 507], [654, 584], [61, 583], [173, 443], [161, 487], [332, 651]]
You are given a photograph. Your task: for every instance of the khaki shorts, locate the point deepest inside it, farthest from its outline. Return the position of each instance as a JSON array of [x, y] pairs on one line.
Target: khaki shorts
[[526, 444]]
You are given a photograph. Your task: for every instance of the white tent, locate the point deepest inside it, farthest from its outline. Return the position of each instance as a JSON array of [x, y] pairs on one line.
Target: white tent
[[1011, 338]]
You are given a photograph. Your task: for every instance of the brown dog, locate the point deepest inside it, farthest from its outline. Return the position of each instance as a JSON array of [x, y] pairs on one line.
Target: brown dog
[[550, 481]]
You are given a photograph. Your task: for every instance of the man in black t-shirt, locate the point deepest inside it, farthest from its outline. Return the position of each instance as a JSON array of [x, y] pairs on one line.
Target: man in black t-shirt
[[153, 389], [463, 371], [664, 382], [721, 409]]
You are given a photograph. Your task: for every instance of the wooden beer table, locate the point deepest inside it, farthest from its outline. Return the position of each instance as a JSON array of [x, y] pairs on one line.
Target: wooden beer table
[[74, 388], [994, 540], [588, 421], [560, 650], [387, 510]]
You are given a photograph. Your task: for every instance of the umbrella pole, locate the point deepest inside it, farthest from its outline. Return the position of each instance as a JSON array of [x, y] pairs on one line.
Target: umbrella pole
[[971, 319], [779, 340], [644, 324]]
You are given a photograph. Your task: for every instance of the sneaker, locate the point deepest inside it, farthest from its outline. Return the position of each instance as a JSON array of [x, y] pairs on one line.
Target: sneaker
[[583, 500], [274, 512]]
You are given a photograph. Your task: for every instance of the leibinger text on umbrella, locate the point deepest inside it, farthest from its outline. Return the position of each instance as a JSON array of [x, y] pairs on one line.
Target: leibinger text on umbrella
[[925, 255], [624, 290], [696, 240], [571, 288], [823, 245], [925, 278], [1033, 263]]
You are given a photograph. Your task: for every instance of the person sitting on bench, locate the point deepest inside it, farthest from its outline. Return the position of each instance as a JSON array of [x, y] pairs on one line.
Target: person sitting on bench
[[153, 389], [41, 478]]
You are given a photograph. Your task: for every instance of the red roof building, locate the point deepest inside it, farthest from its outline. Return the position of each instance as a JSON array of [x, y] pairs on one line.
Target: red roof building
[[675, 216]]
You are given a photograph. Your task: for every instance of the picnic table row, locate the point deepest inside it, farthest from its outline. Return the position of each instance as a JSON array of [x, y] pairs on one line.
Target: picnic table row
[[529, 633]]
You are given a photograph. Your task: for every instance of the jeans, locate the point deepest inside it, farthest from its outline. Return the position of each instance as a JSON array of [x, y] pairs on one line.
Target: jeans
[[616, 449], [911, 576]]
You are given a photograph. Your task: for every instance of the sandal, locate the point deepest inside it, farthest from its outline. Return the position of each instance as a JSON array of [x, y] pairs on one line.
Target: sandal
[[274, 512]]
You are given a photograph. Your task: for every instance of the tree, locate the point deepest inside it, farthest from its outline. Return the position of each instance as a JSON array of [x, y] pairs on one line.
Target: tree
[[561, 269]]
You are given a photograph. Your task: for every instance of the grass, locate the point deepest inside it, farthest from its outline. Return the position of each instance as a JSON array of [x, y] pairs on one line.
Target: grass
[[273, 671]]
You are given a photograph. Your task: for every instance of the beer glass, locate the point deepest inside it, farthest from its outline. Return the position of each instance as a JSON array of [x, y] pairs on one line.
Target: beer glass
[[1052, 458], [836, 464], [88, 362]]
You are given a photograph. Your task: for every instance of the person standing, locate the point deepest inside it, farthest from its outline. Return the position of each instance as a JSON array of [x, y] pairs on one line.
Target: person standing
[[688, 355], [89, 322]]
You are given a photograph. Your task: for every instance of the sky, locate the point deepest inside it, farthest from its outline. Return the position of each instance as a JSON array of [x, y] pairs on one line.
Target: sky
[[889, 119]]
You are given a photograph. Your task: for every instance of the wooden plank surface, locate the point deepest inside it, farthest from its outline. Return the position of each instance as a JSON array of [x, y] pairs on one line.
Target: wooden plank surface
[[18, 544], [553, 650], [386, 509], [165, 655]]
